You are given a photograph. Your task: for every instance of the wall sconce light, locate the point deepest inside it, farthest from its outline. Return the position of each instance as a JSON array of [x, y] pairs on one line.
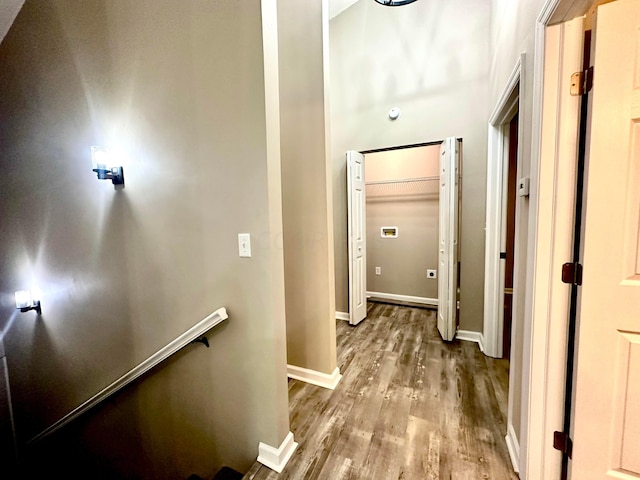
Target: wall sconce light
[[26, 301], [102, 160]]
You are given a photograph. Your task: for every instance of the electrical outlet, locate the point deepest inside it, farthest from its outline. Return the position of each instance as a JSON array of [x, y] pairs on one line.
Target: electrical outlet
[[378, 271], [432, 273]]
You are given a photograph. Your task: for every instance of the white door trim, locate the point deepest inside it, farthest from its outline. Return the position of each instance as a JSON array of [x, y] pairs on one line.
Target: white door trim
[[507, 105], [541, 364]]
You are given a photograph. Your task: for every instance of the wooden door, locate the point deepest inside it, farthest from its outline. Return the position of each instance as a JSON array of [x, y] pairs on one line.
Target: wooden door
[[448, 239], [357, 234], [510, 234], [606, 432]]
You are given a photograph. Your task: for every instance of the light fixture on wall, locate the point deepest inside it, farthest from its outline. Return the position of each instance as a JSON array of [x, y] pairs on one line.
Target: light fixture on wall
[[394, 3], [27, 300], [102, 161]]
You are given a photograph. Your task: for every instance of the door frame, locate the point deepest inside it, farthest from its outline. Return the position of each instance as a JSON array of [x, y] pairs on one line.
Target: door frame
[[543, 366], [348, 315], [508, 104]]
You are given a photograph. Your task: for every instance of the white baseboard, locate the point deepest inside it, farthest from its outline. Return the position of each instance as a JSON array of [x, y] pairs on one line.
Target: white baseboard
[[277, 458], [343, 316], [403, 298], [514, 448], [471, 336], [314, 377]]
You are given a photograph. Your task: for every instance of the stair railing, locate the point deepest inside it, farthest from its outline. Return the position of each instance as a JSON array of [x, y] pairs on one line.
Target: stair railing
[[194, 334]]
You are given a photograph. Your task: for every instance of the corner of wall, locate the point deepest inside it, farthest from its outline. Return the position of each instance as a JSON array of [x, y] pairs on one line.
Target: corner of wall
[[276, 458]]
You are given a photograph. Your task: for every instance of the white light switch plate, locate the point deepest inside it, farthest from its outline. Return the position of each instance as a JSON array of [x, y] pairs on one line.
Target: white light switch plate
[[244, 244]]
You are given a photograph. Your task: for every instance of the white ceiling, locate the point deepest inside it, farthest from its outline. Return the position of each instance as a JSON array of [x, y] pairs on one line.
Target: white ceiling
[[336, 7], [8, 11]]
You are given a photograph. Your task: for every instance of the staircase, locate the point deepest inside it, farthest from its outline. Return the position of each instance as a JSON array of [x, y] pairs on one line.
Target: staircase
[[225, 473]]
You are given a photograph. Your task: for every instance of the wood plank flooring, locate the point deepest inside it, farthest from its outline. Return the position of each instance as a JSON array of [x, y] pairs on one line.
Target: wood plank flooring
[[409, 406]]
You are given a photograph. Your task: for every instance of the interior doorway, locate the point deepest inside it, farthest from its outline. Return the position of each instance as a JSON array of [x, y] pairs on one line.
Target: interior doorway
[[404, 228], [503, 189], [511, 178]]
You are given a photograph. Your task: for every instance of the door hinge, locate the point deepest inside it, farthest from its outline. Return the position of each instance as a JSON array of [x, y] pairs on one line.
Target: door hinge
[[581, 82], [562, 442], [572, 273]]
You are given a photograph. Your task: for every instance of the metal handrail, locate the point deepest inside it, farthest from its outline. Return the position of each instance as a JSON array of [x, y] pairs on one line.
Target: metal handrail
[[191, 335]]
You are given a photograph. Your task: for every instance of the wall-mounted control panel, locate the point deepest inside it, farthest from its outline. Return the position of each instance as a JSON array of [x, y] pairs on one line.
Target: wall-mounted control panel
[[389, 232]]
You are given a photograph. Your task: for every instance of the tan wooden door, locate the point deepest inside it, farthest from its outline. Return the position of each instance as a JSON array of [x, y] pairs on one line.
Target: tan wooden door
[[606, 433], [357, 232]]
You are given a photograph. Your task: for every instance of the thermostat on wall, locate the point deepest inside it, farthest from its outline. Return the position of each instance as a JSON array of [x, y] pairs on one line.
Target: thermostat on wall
[[389, 232]]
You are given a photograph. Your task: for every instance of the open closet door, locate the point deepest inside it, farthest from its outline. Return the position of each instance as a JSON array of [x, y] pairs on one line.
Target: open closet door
[[448, 242], [357, 237]]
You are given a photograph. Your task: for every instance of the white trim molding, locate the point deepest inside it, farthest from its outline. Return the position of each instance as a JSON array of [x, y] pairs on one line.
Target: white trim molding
[[471, 336], [343, 316], [276, 458], [403, 298], [547, 304], [503, 111], [314, 377], [513, 447]]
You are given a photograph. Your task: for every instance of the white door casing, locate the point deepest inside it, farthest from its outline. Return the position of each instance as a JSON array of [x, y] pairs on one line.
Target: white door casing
[[448, 239], [357, 235], [497, 161], [554, 245], [607, 414]]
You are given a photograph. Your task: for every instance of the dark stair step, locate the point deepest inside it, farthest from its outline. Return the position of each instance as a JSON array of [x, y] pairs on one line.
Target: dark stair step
[[225, 473]]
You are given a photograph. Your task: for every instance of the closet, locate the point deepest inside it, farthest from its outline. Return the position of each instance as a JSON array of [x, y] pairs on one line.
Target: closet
[[402, 206]]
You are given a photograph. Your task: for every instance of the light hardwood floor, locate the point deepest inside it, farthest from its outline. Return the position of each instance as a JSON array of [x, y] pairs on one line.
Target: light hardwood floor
[[409, 406]]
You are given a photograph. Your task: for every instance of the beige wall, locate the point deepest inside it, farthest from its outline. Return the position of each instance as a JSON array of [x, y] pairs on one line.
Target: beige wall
[[513, 33], [431, 60], [413, 208], [179, 87], [8, 452], [306, 188]]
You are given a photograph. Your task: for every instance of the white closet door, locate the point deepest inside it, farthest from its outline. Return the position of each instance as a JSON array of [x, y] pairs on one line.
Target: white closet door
[[357, 233], [448, 241]]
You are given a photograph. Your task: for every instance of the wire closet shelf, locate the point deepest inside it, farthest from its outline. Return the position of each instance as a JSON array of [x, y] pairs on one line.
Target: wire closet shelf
[[402, 186]]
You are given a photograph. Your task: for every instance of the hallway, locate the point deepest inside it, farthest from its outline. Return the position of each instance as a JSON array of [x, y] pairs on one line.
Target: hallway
[[408, 407]]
